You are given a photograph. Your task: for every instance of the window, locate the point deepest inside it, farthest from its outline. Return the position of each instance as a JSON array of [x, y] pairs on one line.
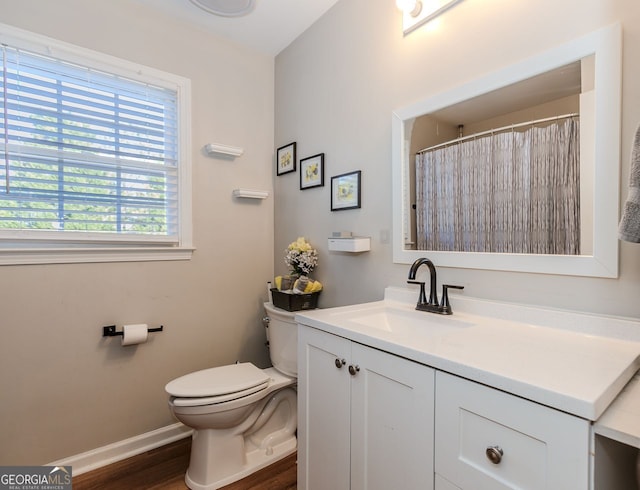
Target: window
[[93, 156]]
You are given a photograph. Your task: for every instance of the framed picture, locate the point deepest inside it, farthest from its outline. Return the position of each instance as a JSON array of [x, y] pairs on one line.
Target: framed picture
[[345, 191], [312, 171], [286, 159]]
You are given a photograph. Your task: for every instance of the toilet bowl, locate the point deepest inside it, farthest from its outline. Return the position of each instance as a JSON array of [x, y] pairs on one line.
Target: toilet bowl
[[243, 417]]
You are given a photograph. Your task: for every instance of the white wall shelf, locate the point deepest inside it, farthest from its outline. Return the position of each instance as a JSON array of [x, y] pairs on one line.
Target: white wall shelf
[[350, 244], [214, 149], [250, 194]]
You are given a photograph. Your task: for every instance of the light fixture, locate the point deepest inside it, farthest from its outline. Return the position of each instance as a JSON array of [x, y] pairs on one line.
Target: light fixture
[[418, 12], [226, 8]]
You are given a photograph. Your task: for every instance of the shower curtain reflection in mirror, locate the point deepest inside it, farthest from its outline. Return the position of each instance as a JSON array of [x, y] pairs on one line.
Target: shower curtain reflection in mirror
[[513, 190]]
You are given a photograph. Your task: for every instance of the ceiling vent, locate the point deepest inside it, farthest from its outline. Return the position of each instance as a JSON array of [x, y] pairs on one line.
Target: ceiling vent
[[226, 8]]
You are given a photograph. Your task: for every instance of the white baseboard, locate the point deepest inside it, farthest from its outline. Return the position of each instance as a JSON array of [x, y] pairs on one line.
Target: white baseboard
[[102, 456]]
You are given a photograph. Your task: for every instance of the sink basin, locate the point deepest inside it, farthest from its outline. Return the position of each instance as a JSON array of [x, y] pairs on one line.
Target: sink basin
[[402, 321]]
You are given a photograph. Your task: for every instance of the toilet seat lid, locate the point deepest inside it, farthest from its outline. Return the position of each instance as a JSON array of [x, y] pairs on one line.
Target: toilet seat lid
[[218, 381]]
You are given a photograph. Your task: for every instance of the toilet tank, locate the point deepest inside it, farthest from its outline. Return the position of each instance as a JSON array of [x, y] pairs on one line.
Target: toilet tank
[[282, 333]]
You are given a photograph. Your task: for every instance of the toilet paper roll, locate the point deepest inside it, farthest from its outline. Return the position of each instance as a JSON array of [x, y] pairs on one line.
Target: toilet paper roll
[[134, 334]]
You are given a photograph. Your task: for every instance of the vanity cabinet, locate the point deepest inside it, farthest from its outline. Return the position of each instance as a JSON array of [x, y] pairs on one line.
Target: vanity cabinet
[[365, 416], [372, 420], [486, 439], [473, 401]]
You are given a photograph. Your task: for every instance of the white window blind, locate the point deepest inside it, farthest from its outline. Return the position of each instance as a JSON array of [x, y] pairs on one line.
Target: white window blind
[[85, 152]]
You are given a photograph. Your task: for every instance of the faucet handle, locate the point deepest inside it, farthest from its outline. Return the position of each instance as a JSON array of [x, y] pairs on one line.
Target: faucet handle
[[445, 305], [422, 299]]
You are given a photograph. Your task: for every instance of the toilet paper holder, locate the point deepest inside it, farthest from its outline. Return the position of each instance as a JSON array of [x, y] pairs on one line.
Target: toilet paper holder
[[110, 330]]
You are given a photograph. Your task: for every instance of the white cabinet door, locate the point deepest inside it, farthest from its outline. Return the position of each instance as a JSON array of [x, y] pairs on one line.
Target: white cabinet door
[[444, 484], [365, 417], [489, 440], [392, 412], [324, 394]]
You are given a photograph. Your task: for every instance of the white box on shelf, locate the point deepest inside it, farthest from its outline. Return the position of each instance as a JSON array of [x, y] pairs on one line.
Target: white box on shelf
[[353, 244]]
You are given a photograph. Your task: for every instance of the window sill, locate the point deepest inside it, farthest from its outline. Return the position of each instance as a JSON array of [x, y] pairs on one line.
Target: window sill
[[90, 255]]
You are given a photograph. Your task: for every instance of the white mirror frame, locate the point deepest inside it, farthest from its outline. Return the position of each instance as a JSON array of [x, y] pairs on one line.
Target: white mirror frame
[[606, 44]]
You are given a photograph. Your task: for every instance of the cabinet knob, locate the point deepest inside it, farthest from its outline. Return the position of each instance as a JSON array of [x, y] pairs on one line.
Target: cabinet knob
[[353, 369], [494, 454], [340, 363]]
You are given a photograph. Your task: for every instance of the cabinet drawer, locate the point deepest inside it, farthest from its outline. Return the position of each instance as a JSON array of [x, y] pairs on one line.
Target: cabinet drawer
[[488, 439]]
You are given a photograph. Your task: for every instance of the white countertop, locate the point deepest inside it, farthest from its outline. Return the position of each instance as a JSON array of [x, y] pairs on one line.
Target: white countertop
[[621, 421], [570, 361]]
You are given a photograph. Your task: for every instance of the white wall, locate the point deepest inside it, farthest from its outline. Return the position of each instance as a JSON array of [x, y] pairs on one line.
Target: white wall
[[336, 87], [64, 389]]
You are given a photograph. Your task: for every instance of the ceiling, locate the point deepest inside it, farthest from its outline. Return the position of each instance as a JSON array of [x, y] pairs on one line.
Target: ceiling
[[546, 87], [270, 28]]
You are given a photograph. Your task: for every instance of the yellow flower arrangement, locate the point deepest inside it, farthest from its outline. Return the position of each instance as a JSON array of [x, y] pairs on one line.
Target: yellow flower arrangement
[[301, 257]]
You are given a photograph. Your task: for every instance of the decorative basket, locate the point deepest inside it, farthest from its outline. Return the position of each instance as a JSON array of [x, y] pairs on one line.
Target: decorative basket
[[294, 302]]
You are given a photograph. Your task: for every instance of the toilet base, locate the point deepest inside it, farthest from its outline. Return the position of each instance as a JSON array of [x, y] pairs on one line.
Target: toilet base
[[268, 434], [256, 459]]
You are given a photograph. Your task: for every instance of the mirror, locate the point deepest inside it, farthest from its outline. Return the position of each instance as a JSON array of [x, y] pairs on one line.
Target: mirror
[[586, 75]]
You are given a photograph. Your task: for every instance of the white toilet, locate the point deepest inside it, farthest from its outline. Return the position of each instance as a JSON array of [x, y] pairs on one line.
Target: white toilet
[[243, 418]]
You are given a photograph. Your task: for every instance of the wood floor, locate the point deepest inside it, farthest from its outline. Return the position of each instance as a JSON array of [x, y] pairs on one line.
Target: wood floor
[[164, 469]]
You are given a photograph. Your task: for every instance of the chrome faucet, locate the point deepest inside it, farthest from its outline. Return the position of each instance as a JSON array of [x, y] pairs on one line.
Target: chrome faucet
[[431, 305]]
